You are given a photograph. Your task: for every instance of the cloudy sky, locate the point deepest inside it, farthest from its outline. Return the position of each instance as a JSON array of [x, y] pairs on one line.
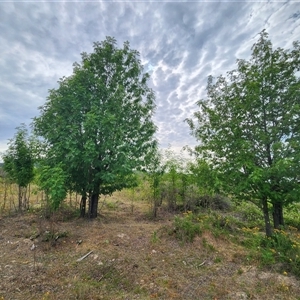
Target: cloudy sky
[[181, 43]]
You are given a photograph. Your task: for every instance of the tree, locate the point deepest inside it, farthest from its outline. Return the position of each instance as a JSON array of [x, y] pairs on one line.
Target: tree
[[155, 171], [249, 126], [53, 182], [97, 123], [19, 163], [204, 177]]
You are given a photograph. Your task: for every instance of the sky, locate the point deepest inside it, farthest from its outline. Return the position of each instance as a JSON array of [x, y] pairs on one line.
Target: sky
[[181, 43]]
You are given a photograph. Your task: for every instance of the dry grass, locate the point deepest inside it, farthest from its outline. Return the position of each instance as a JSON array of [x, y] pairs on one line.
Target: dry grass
[[133, 257]]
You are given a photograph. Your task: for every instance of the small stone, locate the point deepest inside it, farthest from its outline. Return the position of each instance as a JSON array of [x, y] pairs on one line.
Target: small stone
[[238, 296]]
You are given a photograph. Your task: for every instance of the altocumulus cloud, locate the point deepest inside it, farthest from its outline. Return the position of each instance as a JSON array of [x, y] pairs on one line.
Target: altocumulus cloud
[[180, 43]]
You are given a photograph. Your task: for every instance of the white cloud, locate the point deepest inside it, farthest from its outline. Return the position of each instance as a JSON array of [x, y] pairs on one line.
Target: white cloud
[[180, 45]]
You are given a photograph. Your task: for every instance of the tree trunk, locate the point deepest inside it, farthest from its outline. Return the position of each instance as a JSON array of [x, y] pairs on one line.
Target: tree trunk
[[20, 198], [70, 198], [156, 204], [5, 194], [83, 206], [28, 196], [25, 198], [93, 205], [278, 215], [265, 209]]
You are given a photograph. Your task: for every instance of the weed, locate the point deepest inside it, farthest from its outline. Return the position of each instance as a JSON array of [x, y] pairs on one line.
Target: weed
[[82, 290], [111, 205], [240, 271], [154, 237], [208, 246], [267, 258], [217, 260]]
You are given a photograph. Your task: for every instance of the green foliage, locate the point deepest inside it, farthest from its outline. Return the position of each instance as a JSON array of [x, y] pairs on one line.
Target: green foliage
[[154, 237], [249, 213], [280, 251], [111, 205], [187, 227], [176, 180], [19, 160], [99, 121], [53, 181], [204, 176], [214, 202], [170, 187], [248, 127], [266, 257], [281, 247], [293, 215], [155, 172]]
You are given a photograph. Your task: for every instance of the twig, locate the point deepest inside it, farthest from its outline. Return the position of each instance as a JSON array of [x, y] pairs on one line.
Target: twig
[[202, 264], [84, 256]]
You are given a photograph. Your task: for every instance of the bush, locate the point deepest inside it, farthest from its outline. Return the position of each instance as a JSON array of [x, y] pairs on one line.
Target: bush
[[250, 214], [280, 250], [284, 250], [292, 215], [215, 202], [186, 228]]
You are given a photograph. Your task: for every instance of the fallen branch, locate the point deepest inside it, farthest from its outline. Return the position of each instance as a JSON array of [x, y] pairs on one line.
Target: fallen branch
[[84, 256], [202, 264]]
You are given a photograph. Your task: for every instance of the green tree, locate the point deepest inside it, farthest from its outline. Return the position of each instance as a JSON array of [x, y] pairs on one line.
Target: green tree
[[176, 179], [249, 126], [53, 182], [204, 177], [155, 171], [98, 122], [19, 163]]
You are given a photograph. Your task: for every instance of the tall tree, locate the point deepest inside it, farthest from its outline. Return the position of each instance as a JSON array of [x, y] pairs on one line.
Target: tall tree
[[19, 163], [98, 122], [249, 125]]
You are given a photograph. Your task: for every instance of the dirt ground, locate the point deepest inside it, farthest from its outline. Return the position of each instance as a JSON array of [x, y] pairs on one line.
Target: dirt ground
[[130, 257]]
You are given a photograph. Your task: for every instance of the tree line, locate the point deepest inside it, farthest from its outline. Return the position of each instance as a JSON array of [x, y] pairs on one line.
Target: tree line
[[95, 133]]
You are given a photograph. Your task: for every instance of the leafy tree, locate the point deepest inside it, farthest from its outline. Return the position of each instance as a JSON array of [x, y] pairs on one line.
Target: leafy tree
[[98, 122], [19, 163], [53, 182], [176, 179], [249, 126], [204, 177], [155, 171]]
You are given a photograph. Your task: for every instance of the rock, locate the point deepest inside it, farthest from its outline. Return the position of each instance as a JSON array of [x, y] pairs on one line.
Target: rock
[[238, 296]]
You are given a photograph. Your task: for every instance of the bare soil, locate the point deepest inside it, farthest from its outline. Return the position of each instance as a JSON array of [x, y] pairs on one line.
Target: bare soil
[[133, 257]]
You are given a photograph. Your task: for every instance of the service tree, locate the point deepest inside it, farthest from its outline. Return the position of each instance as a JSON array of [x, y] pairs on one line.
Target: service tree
[[249, 126], [98, 123]]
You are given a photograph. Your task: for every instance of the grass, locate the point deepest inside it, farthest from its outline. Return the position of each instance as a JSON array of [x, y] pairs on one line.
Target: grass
[[208, 255]]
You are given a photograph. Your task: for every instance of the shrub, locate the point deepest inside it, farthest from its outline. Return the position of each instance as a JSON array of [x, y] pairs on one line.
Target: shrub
[[249, 213], [215, 202], [186, 228], [292, 215], [279, 249]]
